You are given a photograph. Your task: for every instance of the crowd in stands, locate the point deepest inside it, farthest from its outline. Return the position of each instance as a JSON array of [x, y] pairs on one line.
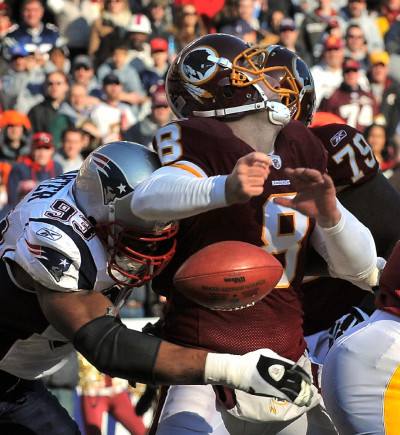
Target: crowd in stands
[[75, 74]]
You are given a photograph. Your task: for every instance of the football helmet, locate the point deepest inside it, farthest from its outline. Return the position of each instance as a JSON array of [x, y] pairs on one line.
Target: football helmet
[[295, 80], [219, 75], [137, 249]]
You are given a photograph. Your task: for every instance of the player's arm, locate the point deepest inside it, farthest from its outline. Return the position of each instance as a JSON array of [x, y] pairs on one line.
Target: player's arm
[[181, 191], [121, 352], [344, 242]]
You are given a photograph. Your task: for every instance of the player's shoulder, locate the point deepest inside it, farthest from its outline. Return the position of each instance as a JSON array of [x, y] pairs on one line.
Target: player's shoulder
[[203, 127], [334, 135], [297, 136]]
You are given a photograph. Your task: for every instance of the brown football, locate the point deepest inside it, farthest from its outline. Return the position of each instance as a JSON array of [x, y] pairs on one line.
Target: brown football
[[228, 275]]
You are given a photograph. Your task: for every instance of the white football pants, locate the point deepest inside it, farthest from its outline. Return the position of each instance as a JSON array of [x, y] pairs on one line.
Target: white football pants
[[361, 378]]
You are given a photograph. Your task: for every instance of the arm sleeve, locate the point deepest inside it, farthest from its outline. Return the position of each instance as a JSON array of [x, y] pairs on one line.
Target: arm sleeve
[[175, 193], [349, 249]]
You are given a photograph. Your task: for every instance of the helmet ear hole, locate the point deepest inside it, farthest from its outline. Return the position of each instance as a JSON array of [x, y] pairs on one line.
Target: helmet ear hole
[[228, 91]]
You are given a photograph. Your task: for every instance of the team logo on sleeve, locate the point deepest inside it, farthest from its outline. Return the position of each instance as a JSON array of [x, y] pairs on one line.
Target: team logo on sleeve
[[49, 234], [55, 262], [113, 182], [197, 68]]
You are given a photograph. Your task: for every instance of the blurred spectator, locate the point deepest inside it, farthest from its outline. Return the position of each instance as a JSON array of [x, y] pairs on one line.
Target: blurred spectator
[[35, 36], [78, 106], [389, 13], [23, 82], [44, 116], [375, 134], [14, 135], [74, 19], [385, 90], [349, 101], [157, 73], [32, 169], [120, 65], [392, 44], [356, 13], [188, 26], [83, 74], [242, 29], [134, 305], [356, 45], [160, 18], [108, 28], [246, 11], [139, 30], [64, 381], [160, 115], [315, 27], [394, 174], [72, 143], [5, 22], [288, 37], [102, 394], [328, 74], [5, 169], [111, 117], [58, 60]]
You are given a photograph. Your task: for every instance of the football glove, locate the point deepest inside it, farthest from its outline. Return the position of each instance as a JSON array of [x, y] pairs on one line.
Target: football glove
[[263, 373]]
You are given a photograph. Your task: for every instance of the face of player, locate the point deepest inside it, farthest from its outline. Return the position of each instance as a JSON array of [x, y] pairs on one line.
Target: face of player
[[32, 14]]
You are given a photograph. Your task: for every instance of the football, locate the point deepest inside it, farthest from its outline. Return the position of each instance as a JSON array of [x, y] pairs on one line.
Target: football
[[228, 275]]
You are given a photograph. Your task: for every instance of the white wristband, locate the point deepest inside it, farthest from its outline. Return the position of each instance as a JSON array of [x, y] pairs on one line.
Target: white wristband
[[218, 369]]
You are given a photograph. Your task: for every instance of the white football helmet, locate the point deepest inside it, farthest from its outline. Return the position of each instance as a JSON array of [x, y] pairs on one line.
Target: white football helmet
[[138, 250]]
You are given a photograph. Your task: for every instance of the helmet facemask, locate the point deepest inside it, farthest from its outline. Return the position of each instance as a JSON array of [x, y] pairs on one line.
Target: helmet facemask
[[248, 69], [135, 258]]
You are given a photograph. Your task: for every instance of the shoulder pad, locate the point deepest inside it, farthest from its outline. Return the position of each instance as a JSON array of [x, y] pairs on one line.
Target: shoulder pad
[[50, 256]]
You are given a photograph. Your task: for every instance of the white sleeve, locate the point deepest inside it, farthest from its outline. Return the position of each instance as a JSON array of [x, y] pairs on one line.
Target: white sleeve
[[349, 250], [175, 193]]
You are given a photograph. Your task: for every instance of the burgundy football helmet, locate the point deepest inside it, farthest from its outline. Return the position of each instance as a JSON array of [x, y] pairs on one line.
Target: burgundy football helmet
[[293, 74], [219, 76]]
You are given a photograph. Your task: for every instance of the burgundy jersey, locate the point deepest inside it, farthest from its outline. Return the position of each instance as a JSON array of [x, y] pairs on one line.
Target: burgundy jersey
[[276, 321], [357, 108], [388, 297], [350, 162], [350, 157]]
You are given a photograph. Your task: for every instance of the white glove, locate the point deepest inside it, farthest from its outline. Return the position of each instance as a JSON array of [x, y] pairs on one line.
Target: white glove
[[263, 373]]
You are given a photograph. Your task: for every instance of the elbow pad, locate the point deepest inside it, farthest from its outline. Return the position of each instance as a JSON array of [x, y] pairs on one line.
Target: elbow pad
[[116, 350]]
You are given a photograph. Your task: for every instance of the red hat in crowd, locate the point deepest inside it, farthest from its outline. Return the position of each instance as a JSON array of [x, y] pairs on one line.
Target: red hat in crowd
[[158, 44], [333, 43], [351, 65], [42, 139]]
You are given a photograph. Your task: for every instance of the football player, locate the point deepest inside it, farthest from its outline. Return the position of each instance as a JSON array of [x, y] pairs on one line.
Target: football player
[[70, 253], [358, 182], [361, 374], [238, 169]]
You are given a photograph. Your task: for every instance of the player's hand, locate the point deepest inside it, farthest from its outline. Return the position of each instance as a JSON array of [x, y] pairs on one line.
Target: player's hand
[[262, 373], [316, 196], [247, 178]]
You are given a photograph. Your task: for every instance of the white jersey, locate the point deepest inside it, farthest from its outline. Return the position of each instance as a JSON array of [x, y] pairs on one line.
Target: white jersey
[[53, 241]]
